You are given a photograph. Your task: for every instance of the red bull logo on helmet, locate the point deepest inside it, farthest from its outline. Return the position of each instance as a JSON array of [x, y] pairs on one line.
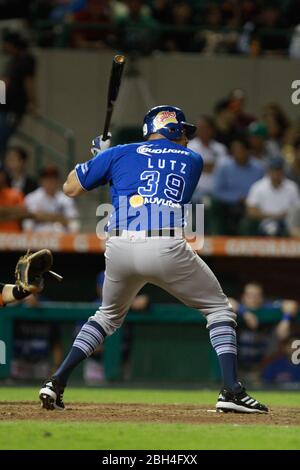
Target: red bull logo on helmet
[[163, 118]]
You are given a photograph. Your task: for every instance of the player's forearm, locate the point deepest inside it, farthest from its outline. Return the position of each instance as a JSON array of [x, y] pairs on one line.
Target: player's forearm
[[7, 294], [256, 213], [71, 186], [12, 293], [13, 213], [5, 214], [46, 217]]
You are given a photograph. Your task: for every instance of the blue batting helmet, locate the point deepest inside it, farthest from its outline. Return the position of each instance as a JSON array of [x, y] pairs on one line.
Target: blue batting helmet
[[168, 121]]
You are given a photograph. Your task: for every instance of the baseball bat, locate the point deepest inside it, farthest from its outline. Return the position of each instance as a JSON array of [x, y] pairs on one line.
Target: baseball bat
[[113, 90]]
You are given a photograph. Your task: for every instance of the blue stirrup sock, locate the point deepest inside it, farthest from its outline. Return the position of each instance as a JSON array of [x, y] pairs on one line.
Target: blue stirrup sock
[[88, 339], [223, 339]]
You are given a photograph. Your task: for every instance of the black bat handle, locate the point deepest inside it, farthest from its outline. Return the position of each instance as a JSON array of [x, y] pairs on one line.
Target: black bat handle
[[107, 123], [113, 90]]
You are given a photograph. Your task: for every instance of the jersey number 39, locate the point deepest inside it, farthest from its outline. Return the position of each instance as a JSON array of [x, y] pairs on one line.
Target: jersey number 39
[[174, 185]]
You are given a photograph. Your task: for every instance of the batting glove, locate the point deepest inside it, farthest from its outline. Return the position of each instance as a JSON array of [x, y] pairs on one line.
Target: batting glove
[[98, 144]]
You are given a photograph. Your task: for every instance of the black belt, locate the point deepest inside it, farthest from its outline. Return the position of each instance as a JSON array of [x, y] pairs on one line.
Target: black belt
[[162, 232]]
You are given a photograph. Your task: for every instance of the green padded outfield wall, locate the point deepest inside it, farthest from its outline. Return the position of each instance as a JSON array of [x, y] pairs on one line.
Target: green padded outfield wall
[[169, 342]]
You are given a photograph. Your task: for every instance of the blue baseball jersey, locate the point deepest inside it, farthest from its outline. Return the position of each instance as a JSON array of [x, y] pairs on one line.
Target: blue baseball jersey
[[150, 182]]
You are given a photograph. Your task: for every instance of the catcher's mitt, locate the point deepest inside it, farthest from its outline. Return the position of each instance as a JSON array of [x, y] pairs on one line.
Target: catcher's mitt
[[30, 270]]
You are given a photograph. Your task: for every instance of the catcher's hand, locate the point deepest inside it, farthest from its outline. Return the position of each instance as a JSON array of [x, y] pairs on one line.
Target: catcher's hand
[[31, 268]]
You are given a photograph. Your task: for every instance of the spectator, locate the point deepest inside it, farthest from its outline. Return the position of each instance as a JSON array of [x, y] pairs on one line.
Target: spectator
[[217, 40], [281, 370], [260, 147], [256, 340], [294, 48], [293, 219], [51, 210], [247, 42], [19, 77], [137, 30], [231, 14], [161, 11], [293, 171], [233, 180], [63, 9], [289, 310], [249, 10], [224, 122], [212, 152], [270, 199], [121, 9], [12, 210], [95, 12], [57, 11], [293, 13], [270, 19], [16, 159], [277, 124], [293, 222], [213, 17], [237, 103], [292, 137], [182, 38], [253, 299], [41, 12]]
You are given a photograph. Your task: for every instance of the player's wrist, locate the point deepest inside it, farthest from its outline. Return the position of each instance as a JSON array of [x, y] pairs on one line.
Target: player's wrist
[[19, 293], [99, 145]]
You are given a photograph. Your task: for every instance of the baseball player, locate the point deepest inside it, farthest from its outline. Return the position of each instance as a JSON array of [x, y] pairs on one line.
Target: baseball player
[[148, 181]]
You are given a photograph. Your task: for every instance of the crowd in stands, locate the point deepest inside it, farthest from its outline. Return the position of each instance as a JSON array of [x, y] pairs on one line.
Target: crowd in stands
[[250, 181], [251, 27], [26, 204], [266, 348], [251, 176], [33, 205], [19, 78]]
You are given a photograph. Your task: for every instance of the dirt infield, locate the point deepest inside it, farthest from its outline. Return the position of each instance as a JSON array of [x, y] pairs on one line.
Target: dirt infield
[[193, 414]]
